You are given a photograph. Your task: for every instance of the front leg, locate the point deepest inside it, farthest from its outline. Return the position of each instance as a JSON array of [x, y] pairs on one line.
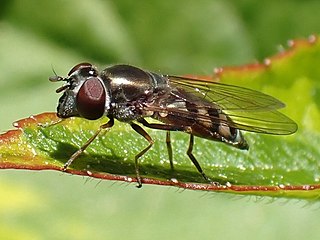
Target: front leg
[[74, 156]]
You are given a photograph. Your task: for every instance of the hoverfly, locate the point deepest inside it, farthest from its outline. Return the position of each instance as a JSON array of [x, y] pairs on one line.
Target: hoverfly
[[200, 108]]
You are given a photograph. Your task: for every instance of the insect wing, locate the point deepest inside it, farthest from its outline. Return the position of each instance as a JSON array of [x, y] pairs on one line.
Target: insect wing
[[228, 97], [245, 109]]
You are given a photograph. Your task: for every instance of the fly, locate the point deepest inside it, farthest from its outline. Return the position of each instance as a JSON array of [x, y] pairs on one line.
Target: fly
[[201, 108]]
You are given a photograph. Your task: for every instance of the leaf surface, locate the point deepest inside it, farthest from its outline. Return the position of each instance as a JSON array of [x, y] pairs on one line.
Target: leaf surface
[[279, 166]]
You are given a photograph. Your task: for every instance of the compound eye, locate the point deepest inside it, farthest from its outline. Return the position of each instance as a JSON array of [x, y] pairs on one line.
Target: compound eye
[[91, 99]]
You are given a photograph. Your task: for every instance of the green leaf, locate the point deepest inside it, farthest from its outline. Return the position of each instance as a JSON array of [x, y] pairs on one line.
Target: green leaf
[[280, 166]]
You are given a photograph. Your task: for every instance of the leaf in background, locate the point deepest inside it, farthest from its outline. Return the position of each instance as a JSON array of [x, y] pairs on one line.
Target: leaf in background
[[284, 166]]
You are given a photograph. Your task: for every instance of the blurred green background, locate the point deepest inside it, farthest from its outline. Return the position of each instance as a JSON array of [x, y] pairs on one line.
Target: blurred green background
[[177, 37]]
